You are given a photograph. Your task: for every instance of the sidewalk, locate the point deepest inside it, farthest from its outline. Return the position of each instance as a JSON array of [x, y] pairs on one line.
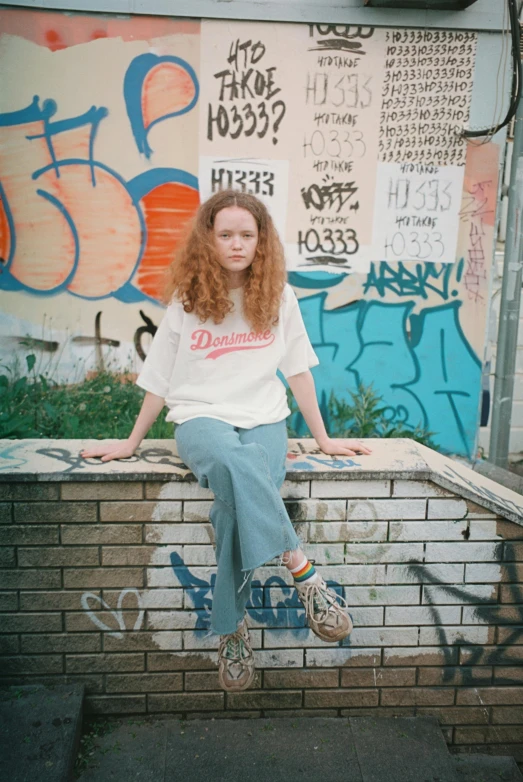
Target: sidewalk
[[257, 750], [41, 739], [284, 749]]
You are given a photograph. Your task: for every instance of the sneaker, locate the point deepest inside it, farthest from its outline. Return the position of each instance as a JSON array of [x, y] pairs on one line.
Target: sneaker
[[236, 660], [325, 611]]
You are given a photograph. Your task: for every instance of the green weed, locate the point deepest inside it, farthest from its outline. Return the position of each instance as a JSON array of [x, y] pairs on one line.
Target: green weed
[[366, 416], [33, 405], [104, 406], [92, 731]]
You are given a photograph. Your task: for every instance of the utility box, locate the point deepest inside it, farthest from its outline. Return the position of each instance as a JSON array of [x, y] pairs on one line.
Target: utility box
[[426, 5]]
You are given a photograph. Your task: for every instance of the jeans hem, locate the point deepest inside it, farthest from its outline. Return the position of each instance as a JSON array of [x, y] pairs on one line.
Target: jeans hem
[[216, 632], [277, 553]]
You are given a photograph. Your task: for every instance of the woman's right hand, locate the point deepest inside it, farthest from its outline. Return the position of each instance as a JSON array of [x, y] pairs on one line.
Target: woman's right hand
[[120, 450]]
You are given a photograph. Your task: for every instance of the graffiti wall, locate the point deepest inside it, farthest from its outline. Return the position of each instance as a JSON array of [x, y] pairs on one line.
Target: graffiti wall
[[113, 129], [109, 569]]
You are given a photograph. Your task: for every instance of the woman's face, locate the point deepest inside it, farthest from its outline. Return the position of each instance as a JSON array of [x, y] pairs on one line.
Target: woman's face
[[236, 237]]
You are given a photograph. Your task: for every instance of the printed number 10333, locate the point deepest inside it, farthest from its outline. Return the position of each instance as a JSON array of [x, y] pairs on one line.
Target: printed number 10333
[[414, 245], [401, 245], [329, 241]]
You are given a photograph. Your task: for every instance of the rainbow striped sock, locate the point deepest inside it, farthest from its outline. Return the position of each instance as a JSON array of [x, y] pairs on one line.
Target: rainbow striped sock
[[304, 571]]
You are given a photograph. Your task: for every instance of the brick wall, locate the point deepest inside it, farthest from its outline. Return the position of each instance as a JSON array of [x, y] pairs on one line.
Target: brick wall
[[109, 582]]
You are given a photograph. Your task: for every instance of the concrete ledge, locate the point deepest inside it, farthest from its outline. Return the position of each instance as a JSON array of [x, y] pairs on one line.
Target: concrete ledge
[[391, 459], [504, 477]]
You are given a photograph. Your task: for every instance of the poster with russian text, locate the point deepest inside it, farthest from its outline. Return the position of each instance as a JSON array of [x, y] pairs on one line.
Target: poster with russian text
[[350, 135]]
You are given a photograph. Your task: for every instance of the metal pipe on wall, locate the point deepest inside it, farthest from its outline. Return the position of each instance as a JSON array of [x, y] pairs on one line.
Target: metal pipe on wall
[[509, 306]]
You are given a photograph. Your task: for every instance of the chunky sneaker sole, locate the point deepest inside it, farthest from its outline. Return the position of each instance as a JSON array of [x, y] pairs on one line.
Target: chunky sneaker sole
[[325, 611], [236, 669]]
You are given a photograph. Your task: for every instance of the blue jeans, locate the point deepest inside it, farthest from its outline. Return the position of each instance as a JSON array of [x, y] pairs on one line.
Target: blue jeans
[[245, 468]]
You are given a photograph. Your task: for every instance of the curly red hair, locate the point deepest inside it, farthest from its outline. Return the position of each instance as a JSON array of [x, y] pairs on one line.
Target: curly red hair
[[198, 280]]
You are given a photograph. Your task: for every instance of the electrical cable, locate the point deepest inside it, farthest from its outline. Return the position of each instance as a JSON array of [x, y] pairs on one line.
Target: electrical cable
[[506, 41], [517, 77], [502, 69]]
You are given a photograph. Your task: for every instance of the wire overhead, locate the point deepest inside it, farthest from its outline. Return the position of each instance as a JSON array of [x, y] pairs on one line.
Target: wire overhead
[[517, 76]]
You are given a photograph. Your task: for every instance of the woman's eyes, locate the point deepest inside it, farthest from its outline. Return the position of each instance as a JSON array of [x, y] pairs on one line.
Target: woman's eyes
[[227, 236]]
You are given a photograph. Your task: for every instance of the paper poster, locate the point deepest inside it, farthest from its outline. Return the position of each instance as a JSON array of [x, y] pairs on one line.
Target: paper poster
[[426, 96], [249, 84], [338, 116], [266, 179], [417, 212], [335, 153]]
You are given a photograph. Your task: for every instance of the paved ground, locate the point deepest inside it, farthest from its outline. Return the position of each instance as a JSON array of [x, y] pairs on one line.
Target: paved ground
[[361, 749], [40, 739], [39, 732], [247, 750]]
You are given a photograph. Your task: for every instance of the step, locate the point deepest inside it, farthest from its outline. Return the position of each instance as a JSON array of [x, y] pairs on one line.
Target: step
[[486, 768], [40, 731], [402, 749], [243, 750]]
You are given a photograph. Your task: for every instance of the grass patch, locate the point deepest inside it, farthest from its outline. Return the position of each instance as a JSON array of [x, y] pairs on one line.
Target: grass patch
[[104, 406], [93, 730]]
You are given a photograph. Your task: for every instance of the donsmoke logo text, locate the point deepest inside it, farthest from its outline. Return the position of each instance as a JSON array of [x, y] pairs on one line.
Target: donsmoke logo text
[[203, 340]]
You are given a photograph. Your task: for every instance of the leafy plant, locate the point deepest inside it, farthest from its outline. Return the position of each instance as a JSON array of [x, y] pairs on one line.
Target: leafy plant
[[366, 416], [33, 405], [88, 743], [103, 406]]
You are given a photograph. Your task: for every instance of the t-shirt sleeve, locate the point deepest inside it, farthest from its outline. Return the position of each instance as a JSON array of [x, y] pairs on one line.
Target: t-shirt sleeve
[[299, 355], [159, 363]]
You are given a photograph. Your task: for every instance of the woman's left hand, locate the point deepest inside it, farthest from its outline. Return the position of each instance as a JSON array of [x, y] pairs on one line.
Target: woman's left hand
[[342, 447]]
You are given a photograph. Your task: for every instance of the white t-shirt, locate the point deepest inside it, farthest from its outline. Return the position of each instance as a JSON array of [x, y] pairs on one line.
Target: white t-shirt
[[226, 370]]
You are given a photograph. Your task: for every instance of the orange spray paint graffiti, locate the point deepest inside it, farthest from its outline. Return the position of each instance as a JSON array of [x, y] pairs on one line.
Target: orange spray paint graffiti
[[167, 210], [69, 222]]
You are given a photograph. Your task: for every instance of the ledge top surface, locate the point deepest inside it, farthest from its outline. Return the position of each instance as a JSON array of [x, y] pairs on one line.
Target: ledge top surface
[[60, 460]]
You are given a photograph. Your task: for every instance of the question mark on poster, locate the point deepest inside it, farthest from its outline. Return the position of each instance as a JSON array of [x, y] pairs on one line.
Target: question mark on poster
[[281, 113]]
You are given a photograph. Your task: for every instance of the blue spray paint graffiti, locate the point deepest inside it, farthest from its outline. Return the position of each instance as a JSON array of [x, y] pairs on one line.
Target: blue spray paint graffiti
[[331, 464], [139, 71], [286, 613], [421, 365], [420, 279]]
